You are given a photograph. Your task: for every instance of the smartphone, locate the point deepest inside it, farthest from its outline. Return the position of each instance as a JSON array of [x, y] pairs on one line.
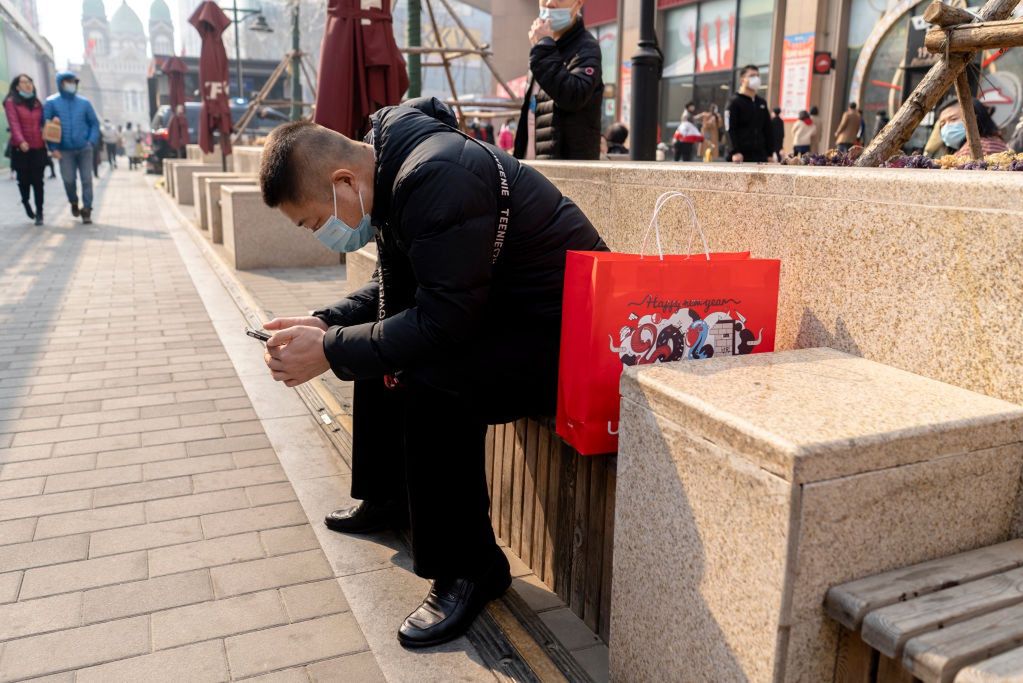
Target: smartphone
[[258, 334]]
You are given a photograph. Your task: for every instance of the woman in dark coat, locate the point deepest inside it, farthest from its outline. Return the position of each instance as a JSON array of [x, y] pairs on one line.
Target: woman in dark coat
[[28, 151]]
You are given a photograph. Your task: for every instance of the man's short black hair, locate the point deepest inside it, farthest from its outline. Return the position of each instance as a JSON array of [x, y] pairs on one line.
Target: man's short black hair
[[852, 105], [814, 111], [293, 153], [746, 69], [690, 104], [278, 180], [618, 133]]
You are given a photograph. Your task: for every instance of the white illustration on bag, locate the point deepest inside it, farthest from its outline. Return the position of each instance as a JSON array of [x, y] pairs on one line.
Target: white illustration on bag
[[655, 339]]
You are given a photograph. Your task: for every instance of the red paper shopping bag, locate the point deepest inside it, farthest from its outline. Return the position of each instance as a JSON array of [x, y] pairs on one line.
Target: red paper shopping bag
[[627, 309]]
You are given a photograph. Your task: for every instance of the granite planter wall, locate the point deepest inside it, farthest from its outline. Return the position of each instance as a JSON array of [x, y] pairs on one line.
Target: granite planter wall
[[916, 269], [749, 485]]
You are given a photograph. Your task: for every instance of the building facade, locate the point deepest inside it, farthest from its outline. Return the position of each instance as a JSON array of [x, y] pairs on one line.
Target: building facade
[[874, 45], [116, 60]]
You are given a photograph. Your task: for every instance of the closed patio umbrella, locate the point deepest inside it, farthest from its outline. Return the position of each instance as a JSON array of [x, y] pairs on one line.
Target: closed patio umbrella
[[361, 68], [210, 21], [177, 129]]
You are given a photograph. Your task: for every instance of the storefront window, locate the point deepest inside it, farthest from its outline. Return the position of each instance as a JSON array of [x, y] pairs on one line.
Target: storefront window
[[675, 94], [680, 42], [607, 38], [716, 39], [754, 43]]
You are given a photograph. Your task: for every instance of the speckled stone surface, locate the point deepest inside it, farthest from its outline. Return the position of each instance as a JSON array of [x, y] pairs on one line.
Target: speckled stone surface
[[183, 179], [915, 269], [214, 229], [749, 485], [199, 193], [257, 236]]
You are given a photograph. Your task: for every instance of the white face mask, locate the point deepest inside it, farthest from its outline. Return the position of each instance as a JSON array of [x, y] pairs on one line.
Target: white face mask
[[754, 82]]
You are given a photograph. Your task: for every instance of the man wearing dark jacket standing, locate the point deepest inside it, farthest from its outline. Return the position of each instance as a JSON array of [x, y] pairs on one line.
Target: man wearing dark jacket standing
[[459, 329], [748, 120], [560, 116]]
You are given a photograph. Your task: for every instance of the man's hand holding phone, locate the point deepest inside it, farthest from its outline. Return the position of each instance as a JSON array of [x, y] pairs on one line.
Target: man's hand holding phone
[[294, 353]]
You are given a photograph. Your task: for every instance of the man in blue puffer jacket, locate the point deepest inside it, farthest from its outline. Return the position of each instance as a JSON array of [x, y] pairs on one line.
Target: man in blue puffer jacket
[[79, 132]]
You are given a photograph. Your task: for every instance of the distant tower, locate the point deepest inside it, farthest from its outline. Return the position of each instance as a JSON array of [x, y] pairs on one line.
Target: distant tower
[[161, 29], [95, 29]]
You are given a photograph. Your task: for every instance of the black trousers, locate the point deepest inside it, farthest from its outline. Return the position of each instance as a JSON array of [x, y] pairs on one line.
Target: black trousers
[[423, 444], [30, 181]]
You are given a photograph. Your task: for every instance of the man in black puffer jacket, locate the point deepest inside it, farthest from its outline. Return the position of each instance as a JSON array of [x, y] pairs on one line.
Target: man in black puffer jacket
[[462, 323], [566, 90]]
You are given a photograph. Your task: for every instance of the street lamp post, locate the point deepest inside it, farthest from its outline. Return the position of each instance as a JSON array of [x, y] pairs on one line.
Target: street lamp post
[[646, 73], [245, 14]]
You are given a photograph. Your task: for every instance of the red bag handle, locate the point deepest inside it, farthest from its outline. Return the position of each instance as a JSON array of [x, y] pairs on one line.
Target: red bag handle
[[655, 226]]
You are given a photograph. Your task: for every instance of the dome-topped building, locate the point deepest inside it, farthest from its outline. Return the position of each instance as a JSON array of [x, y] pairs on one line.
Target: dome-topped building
[[117, 61], [161, 29]]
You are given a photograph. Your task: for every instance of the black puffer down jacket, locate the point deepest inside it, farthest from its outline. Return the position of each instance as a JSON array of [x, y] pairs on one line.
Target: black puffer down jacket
[[569, 99], [436, 295]]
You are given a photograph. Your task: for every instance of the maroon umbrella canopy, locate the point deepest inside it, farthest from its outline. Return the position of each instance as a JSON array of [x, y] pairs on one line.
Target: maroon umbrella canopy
[[175, 70], [361, 68], [210, 21]]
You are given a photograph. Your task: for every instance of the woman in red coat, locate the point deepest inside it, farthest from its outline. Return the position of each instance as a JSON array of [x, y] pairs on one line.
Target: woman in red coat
[[28, 151]]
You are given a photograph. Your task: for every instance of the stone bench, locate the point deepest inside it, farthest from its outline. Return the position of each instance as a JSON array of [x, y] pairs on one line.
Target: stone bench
[[168, 173], [214, 216], [199, 189], [257, 236], [749, 485], [954, 618], [182, 174]]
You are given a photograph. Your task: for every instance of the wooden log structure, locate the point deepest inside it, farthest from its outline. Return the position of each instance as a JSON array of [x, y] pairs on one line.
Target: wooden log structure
[[989, 35], [931, 89], [965, 97]]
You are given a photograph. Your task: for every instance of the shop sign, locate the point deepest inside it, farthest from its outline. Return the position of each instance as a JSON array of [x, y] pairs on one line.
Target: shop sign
[[796, 72]]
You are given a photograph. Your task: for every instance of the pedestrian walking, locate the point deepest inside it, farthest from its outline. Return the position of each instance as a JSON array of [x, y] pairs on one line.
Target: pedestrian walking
[[778, 126], [879, 123], [467, 335], [710, 125], [848, 128], [815, 116], [617, 134], [560, 117], [506, 136], [749, 121], [28, 150], [111, 139], [134, 144], [79, 134], [686, 137], [803, 132]]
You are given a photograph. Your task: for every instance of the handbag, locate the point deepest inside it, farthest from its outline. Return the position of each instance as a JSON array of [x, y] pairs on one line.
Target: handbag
[[52, 131], [631, 309]]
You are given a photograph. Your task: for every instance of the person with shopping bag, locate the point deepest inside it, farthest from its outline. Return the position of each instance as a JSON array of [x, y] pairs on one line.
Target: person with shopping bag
[[633, 309], [459, 328]]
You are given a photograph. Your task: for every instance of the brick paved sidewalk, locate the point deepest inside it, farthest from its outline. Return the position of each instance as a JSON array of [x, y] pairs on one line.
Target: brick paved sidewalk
[[148, 530]]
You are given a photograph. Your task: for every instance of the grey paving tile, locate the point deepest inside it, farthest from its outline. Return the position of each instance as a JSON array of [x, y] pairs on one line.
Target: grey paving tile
[[10, 583], [316, 599], [29, 617], [361, 667], [218, 551], [41, 553], [196, 504], [82, 575], [285, 570], [252, 519], [199, 663], [149, 595], [145, 536], [569, 629], [217, 619], [144, 491], [594, 661], [17, 530], [74, 648], [96, 519], [284, 646]]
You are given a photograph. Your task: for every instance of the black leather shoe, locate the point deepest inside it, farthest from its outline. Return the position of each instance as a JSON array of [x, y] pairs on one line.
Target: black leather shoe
[[87, 216], [450, 608], [367, 517], [75, 211]]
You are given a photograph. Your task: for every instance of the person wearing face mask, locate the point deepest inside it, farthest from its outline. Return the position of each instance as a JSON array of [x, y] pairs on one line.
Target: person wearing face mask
[[460, 328], [748, 121], [28, 151], [79, 134], [560, 117], [953, 129]]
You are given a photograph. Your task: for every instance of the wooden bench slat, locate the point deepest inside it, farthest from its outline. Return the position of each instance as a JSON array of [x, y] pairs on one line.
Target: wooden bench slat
[[850, 602], [1005, 668], [889, 628], [937, 656]]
